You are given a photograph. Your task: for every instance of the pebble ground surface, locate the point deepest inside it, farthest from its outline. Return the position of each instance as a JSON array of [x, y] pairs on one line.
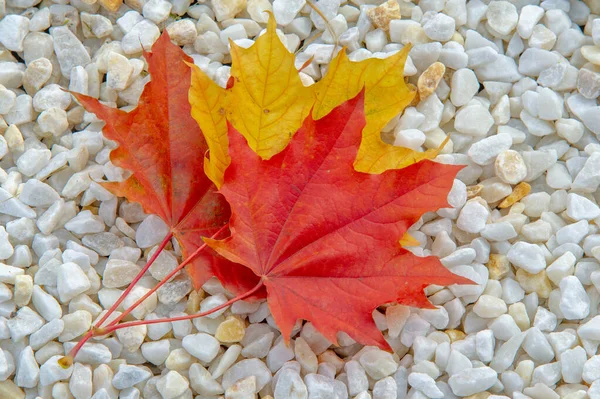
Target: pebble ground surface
[[513, 83]]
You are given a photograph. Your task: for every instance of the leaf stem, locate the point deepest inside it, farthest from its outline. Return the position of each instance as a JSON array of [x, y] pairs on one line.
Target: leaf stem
[[111, 328], [137, 278], [165, 279], [67, 361]]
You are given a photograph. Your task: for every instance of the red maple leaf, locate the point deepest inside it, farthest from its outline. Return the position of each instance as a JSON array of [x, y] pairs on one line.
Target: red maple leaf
[[162, 145], [321, 239]]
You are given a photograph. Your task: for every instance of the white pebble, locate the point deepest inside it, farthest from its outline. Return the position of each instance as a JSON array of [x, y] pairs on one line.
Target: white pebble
[[202, 346], [473, 217], [528, 257], [484, 152], [472, 381], [574, 301]]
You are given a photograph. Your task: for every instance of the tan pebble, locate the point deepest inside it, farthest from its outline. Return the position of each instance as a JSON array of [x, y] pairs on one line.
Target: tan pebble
[[473, 191], [498, 266], [231, 330], [594, 6], [179, 359], [330, 356], [519, 314], [538, 283], [510, 167], [135, 4], [93, 209], [193, 303], [591, 53], [23, 289], [8, 389], [480, 395], [414, 34], [519, 191], [455, 335], [14, 138], [111, 5], [383, 14], [75, 115], [416, 98], [457, 37], [146, 252], [525, 370], [3, 125], [305, 356], [429, 79]]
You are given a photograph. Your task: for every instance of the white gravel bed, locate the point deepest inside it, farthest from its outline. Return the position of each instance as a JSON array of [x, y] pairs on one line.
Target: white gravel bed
[[519, 102]]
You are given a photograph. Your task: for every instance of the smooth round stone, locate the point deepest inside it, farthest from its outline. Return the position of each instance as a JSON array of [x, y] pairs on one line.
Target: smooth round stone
[[510, 167]]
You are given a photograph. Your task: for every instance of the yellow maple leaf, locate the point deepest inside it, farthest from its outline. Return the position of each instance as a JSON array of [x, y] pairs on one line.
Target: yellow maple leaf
[[386, 95], [209, 102], [268, 102]]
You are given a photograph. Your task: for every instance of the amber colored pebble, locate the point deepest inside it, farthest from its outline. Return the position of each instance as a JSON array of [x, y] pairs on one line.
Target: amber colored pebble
[[479, 395], [473, 191], [384, 13], [519, 191], [111, 5], [538, 283], [498, 266], [8, 389], [193, 303], [231, 330], [429, 79], [455, 335]]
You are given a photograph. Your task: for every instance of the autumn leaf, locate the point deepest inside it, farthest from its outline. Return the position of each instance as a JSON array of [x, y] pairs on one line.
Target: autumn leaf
[[162, 145], [268, 101], [209, 107], [322, 239], [386, 95]]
